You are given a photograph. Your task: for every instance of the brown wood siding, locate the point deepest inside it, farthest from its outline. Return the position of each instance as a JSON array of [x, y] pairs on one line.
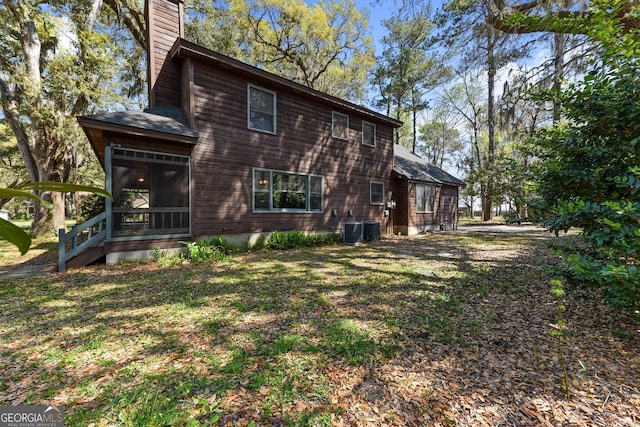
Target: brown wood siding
[[142, 245], [417, 219], [164, 27], [223, 159], [445, 206]]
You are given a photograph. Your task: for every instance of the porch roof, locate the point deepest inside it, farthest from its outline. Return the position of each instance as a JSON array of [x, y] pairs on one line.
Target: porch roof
[[413, 167], [167, 123]]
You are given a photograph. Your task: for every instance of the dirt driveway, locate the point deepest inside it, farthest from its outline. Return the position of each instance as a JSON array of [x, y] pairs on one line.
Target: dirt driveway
[[499, 228]]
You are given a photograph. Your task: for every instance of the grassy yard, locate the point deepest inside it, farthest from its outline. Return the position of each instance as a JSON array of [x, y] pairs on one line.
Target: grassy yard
[[445, 329], [43, 251]]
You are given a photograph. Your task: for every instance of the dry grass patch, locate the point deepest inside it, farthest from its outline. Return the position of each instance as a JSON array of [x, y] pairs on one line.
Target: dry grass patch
[[446, 329], [43, 251]]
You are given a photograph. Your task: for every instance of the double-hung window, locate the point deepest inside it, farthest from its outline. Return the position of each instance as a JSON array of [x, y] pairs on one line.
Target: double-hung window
[[339, 125], [368, 134], [376, 193], [261, 115], [278, 191], [425, 198]]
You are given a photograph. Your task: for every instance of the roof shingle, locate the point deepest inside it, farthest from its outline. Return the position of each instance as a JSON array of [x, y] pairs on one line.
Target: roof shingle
[[414, 167], [168, 120]]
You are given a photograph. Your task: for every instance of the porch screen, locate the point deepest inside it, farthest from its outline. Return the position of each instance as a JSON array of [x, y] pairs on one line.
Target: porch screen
[[151, 193]]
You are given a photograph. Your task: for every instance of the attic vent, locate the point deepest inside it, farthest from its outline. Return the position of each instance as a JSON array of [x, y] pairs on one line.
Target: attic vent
[[352, 232]]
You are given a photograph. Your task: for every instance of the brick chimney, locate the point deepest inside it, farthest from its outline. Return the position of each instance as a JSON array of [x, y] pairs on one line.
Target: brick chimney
[[164, 25]]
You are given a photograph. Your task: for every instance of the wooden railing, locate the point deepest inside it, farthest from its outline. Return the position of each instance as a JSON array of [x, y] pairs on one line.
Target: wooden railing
[[80, 238], [128, 222]]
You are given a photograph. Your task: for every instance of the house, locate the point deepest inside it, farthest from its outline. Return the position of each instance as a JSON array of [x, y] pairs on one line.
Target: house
[[426, 196], [226, 148]]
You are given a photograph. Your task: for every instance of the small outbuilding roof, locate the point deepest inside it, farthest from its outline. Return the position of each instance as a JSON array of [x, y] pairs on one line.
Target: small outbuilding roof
[[413, 167]]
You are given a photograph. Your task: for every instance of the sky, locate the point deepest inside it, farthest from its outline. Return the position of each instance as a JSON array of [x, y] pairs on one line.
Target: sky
[[383, 9], [377, 13], [380, 10]]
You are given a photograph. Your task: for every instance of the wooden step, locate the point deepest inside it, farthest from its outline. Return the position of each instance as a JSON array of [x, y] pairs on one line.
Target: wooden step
[[87, 257]]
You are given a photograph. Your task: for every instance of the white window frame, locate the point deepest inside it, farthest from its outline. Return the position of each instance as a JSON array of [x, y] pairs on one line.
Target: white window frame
[[335, 114], [249, 109], [272, 209], [365, 123], [371, 201], [425, 204]]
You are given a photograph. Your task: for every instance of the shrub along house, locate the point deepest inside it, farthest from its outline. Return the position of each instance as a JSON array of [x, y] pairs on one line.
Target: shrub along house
[[229, 149]]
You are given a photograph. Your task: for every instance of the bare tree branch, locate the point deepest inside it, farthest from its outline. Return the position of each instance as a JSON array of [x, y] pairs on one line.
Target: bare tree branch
[[132, 18]]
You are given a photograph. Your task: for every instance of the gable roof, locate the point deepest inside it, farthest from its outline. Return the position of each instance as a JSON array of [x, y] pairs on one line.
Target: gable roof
[[185, 49], [414, 167]]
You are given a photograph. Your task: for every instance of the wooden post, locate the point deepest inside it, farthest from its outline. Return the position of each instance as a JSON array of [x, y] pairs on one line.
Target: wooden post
[[62, 247]]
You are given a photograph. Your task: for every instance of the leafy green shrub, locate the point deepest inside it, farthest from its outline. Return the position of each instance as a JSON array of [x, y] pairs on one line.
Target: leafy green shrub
[[217, 248], [282, 240], [260, 243], [326, 238], [206, 250], [167, 258], [588, 177], [20, 216], [91, 206], [220, 243]]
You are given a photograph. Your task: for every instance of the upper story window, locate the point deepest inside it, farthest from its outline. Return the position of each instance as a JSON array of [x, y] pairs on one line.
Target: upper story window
[[368, 134], [425, 198], [376, 193], [261, 109], [339, 125]]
